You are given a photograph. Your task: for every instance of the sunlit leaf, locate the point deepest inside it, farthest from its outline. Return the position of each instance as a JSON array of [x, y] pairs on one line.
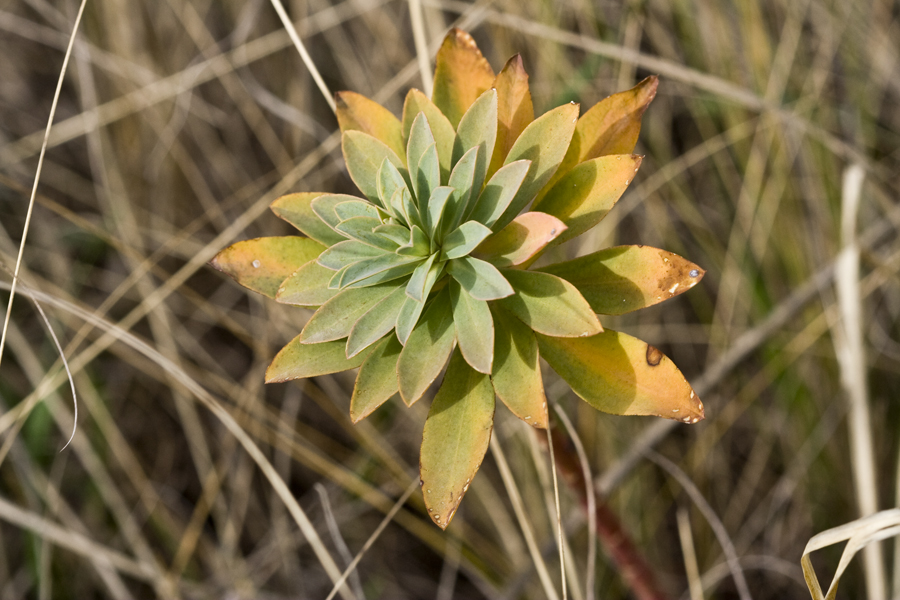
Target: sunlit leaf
[[618, 280], [297, 210], [437, 203], [376, 323], [456, 436], [583, 197], [363, 155], [461, 75], [622, 375], [474, 328], [441, 129], [478, 129], [262, 264], [377, 379], [335, 319], [397, 233], [428, 177], [427, 349], [380, 268], [499, 192], [516, 372], [528, 234], [356, 208], [356, 112], [514, 109], [481, 279], [415, 289], [418, 244], [549, 305], [346, 253], [298, 360], [544, 142], [388, 181], [307, 286], [420, 140], [325, 208], [464, 239], [412, 308], [361, 229]]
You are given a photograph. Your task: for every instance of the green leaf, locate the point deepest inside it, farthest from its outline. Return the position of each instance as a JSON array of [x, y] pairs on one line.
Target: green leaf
[[298, 360], [356, 112], [583, 197], [610, 127], [497, 195], [455, 439], [365, 269], [420, 140], [524, 238], [346, 253], [356, 208], [622, 375], [401, 270], [427, 349], [363, 155], [474, 328], [412, 308], [388, 181], [262, 264], [376, 323], [297, 210], [441, 128], [478, 129], [481, 279], [362, 229], [335, 282], [465, 239], [415, 289], [549, 305], [514, 109], [335, 319], [544, 142], [437, 203], [325, 208], [517, 372], [377, 379], [397, 233], [461, 180], [428, 178], [461, 75], [619, 280], [418, 245], [307, 286]]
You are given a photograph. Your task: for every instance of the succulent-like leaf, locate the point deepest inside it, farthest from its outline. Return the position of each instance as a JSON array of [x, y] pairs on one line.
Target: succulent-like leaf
[[418, 244], [363, 155], [361, 229], [622, 375], [544, 142], [427, 349], [397, 233], [376, 323], [474, 328], [262, 264], [346, 253], [298, 360], [415, 289], [428, 177], [325, 208], [549, 305], [583, 197], [392, 265], [461, 74], [618, 280], [478, 129], [432, 216], [412, 308], [610, 127], [335, 319], [461, 180], [528, 234], [297, 210], [517, 373], [388, 181], [356, 208], [377, 379], [514, 109], [464, 239], [455, 439], [400, 270], [420, 140], [335, 282], [356, 112], [499, 192], [481, 279], [307, 286], [416, 102]]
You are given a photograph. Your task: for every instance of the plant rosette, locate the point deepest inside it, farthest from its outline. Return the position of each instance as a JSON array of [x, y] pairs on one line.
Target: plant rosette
[[433, 263]]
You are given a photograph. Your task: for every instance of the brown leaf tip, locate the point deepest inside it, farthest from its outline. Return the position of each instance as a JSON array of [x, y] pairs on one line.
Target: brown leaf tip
[[654, 356]]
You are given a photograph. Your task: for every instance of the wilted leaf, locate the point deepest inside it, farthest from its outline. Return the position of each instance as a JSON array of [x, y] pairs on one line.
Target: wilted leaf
[[377, 379], [262, 264], [441, 129], [499, 193], [461, 74], [307, 286], [583, 197], [376, 323], [478, 129], [427, 349], [296, 209], [474, 328], [356, 112], [610, 127], [549, 305], [528, 234], [622, 375], [618, 280], [336, 318], [363, 155], [298, 360], [514, 109], [481, 279], [544, 142], [517, 372], [464, 239], [456, 437]]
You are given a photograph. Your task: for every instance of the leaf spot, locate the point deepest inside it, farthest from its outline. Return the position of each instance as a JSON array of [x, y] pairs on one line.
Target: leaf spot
[[694, 273], [255, 264], [673, 288], [674, 410], [654, 356]]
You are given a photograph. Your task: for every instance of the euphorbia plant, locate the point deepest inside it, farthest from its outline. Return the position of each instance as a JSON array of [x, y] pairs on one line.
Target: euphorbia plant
[[434, 263]]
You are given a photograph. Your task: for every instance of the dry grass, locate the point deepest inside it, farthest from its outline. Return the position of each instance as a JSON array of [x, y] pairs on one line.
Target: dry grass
[[179, 121]]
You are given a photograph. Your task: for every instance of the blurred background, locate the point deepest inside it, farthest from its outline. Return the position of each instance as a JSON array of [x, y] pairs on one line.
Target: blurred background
[[179, 121]]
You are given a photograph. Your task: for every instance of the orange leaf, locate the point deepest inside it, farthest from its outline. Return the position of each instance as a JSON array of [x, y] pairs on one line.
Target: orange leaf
[[514, 109], [528, 234], [356, 112], [461, 75], [262, 264]]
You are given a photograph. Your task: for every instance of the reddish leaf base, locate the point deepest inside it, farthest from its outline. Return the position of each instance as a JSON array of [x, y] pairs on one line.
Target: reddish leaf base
[[634, 570]]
